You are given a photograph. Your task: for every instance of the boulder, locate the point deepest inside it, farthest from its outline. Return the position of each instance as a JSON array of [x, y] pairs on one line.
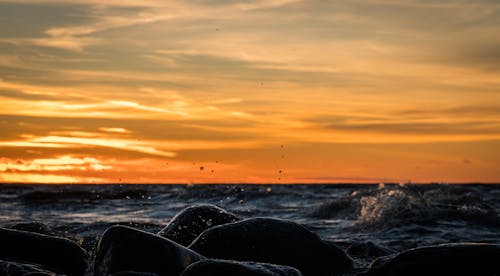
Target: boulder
[[56, 254], [230, 268], [190, 222], [19, 269], [446, 259], [273, 241], [122, 248]]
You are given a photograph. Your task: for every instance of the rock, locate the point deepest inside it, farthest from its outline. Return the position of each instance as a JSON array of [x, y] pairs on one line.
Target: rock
[[34, 227], [123, 248], [273, 241], [230, 268], [367, 250], [446, 259], [56, 254], [190, 222], [19, 269]]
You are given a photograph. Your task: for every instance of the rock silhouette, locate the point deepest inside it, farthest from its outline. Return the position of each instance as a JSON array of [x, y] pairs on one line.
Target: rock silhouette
[[122, 248], [446, 259], [55, 254], [229, 268], [192, 221], [273, 241]]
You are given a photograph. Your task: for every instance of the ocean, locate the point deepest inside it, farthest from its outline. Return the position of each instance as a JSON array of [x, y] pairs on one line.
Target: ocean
[[379, 218]]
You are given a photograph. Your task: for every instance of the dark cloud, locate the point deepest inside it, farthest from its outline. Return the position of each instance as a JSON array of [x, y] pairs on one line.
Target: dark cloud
[[427, 128], [16, 94], [460, 111], [13, 126], [23, 20], [485, 55], [22, 95], [417, 122]]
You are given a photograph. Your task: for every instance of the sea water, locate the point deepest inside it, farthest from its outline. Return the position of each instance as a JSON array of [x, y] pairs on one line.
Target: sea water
[[394, 217]]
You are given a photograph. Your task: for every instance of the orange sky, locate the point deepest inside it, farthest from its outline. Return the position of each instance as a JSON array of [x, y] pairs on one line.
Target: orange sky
[[272, 91]]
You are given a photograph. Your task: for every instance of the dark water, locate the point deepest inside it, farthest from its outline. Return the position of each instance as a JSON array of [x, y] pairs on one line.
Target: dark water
[[392, 216]]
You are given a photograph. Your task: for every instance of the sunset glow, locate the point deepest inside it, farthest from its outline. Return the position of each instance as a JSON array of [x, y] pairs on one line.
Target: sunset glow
[[275, 91]]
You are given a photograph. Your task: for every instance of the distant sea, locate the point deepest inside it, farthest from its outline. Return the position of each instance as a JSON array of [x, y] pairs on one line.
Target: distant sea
[[395, 217]]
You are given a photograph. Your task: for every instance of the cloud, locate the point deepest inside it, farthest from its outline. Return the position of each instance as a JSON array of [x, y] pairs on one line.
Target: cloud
[[485, 111], [61, 163], [67, 42], [421, 128], [16, 94], [175, 79], [114, 129], [448, 121]]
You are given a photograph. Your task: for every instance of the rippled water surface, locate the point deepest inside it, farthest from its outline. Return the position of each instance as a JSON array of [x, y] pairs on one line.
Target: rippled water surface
[[393, 216]]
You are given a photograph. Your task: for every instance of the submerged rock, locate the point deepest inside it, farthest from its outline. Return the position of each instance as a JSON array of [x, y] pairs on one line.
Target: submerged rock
[[273, 241], [123, 248], [19, 269], [56, 254], [230, 268], [192, 221], [446, 259], [34, 227]]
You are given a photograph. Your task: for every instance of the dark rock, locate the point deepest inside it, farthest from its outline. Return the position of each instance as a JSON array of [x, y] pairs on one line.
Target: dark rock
[[19, 269], [56, 254], [122, 248], [230, 268], [273, 241], [446, 259], [190, 222], [368, 249], [34, 227]]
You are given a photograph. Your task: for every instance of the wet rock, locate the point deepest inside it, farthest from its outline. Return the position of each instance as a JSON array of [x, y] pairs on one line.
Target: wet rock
[[446, 259], [122, 248], [56, 254], [190, 222], [367, 250], [273, 241], [34, 227], [229, 268], [19, 269]]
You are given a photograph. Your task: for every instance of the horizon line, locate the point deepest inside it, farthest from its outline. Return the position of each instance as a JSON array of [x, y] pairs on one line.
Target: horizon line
[[255, 183]]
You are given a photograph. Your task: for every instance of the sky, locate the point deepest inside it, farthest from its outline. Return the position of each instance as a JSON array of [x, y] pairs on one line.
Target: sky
[[271, 91]]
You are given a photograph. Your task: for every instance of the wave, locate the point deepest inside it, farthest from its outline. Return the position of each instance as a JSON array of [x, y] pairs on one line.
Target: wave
[[394, 206]]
